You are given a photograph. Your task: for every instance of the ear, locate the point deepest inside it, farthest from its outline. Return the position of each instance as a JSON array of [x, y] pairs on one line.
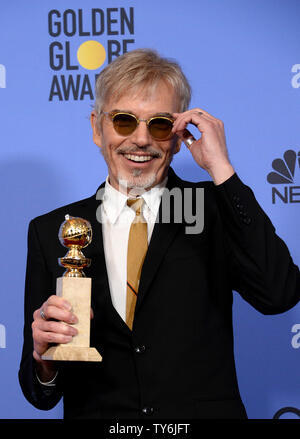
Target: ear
[[177, 145], [97, 137]]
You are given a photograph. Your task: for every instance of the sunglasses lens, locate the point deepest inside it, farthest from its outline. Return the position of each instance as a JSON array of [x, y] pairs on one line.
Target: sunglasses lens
[[160, 128], [124, 124]]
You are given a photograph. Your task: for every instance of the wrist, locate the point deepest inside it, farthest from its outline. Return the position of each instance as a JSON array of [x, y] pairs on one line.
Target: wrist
[[49, 383], [45, 370], [44, 373], [221, 173]]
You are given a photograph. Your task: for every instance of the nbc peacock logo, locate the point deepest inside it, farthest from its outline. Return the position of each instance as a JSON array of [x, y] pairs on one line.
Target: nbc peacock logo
[[284, 172]]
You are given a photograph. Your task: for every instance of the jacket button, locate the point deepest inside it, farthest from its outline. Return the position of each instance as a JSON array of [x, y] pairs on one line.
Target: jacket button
[[147, 410], [139, 349], [247, 221]]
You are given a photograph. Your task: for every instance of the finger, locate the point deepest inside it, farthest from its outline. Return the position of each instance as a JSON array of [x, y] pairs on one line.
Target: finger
[[186, 137], [195, 118], [58, 327], [192, 113], [60, 302], [37, 356], [53, 300], [92, 313], [197, 110], [42, 314], [41, 331], [57, 308], [53, 312], [43, 338]]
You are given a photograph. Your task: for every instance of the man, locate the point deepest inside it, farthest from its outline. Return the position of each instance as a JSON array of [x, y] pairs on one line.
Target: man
[[167, 342]]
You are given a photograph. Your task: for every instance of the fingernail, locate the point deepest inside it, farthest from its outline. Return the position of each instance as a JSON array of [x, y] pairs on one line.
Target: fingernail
[[74, 332], [74, 319]]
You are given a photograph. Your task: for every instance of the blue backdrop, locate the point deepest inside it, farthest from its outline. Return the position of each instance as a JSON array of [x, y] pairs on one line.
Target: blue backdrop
[[242, 58]]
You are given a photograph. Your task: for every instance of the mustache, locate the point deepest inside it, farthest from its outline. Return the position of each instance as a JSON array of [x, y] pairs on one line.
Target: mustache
[[136, 149]]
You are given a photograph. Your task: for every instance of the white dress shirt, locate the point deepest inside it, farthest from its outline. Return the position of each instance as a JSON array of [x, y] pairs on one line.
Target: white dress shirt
[[116, 218]]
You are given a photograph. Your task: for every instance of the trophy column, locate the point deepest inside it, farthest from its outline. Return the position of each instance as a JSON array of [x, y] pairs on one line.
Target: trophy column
[[75, 234]]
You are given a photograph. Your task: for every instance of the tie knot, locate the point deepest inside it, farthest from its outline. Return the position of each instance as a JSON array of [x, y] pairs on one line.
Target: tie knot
[[136, 204]]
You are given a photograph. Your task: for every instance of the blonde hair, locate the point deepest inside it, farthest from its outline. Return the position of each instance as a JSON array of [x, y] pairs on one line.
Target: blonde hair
[[140, 69]]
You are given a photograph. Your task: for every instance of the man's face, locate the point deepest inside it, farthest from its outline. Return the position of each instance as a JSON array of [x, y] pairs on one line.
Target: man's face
[[123, 155]]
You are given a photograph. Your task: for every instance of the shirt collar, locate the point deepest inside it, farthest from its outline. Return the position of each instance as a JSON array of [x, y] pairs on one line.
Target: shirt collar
[[115, 201], [153, 196]]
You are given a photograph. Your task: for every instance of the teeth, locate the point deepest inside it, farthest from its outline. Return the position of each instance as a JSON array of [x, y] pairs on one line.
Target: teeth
[[138, 158]]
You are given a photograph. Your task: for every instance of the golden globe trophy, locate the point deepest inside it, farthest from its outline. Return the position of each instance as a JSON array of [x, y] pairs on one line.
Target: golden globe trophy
[[75, 287]]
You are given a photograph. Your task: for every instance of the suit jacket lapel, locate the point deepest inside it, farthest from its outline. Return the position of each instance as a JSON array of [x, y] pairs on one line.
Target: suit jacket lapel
[[162, 236], [98, 270]]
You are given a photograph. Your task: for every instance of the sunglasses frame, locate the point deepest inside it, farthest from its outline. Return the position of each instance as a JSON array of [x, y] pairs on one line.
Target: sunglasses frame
[[113, 114]]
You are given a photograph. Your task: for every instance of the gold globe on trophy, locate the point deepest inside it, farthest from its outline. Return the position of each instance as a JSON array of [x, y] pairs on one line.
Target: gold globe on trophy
[[75, 234]]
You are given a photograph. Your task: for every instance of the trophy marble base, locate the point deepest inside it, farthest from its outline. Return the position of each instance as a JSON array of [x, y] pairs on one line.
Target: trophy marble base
[[77, 291], [71, 353]]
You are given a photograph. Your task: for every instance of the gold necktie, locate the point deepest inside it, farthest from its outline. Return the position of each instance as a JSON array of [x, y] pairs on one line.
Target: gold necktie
[[137, 249]]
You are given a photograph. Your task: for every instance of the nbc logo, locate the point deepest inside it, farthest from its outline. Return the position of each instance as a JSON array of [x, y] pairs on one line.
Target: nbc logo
[[2, 337], [2, 76], [283, 174]]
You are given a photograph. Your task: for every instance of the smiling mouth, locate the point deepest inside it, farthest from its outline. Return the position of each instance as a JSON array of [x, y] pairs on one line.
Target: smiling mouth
[[139, 158]]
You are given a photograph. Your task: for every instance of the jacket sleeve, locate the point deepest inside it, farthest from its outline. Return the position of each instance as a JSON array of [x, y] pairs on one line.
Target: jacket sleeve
[[37, 290], [261, 268]]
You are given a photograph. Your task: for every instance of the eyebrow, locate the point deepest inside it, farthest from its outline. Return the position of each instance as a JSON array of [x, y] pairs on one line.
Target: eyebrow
[[130, 112], [164, 114]]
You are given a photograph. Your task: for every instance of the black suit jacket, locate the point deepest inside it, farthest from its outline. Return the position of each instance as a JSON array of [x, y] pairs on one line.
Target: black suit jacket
[[178, 361]]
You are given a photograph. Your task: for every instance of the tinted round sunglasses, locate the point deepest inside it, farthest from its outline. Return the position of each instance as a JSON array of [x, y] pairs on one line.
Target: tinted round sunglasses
[[160, 127]]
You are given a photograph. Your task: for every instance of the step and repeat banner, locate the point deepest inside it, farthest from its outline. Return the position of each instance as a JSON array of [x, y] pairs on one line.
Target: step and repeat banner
[[242, 58]]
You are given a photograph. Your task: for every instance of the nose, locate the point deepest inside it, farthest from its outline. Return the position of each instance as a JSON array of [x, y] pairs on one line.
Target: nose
[[141, 136]]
